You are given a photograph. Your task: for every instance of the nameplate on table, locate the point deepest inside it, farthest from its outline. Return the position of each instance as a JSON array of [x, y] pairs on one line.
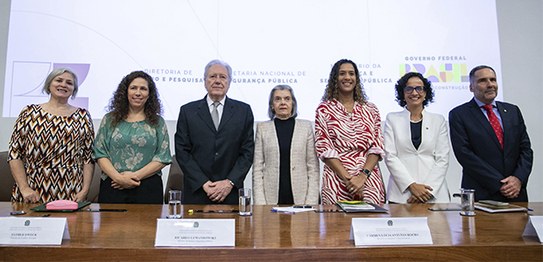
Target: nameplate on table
[[534, 227], [195, 232], [390, 231], [33, 230]]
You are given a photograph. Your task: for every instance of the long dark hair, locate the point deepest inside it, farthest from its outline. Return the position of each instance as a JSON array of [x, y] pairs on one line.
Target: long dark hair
[[331, 91], [118, 106]]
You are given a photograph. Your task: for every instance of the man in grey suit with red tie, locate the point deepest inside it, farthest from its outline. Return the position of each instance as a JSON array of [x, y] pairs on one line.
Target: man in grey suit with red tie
[[490, 141], [214, 143]]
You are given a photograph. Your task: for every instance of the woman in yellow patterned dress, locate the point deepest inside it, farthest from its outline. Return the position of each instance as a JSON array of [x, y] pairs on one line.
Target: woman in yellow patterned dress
[[50, 150]]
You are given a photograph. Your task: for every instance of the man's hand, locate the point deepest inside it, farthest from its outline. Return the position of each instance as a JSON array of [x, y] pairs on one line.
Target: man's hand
[[220, 190], [209, 188], [511, 187]]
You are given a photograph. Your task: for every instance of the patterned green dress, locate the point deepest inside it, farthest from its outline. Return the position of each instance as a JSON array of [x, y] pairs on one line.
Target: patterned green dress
[[132, 145], [53, 150]]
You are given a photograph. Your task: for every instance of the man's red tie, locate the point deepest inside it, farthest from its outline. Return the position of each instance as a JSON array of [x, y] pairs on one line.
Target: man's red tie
[[495, 123]]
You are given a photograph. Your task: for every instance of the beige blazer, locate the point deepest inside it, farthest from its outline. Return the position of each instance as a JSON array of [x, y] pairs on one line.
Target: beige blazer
[[427, 165], [304, 166]]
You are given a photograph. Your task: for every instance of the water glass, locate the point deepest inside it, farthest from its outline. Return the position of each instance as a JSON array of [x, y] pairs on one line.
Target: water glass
[[174, 204], [467, 202], [245, 206]]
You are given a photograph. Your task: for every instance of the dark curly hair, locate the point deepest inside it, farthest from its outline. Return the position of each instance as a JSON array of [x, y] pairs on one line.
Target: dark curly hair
[[332, 87], [118, 106], [400, 85]]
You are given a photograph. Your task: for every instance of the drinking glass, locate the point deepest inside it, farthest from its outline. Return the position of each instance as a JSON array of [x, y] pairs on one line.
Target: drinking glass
[[245, 206], [467, 201], [174, 204]]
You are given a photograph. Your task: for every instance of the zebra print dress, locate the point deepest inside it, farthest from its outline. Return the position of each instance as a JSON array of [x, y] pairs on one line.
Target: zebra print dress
[[349, 137]]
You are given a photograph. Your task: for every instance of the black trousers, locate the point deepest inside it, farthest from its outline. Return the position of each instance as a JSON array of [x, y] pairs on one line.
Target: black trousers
[[150, 191]]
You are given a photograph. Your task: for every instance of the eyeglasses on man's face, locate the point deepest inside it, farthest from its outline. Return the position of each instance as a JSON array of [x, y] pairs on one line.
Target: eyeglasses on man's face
[[409, 89]]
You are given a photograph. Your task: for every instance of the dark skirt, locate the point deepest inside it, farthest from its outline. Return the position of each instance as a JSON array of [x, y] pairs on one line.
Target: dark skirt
[[149, 192]]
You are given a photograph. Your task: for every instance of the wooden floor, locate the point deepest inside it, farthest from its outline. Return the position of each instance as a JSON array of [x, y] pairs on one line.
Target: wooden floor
[[115, 236]]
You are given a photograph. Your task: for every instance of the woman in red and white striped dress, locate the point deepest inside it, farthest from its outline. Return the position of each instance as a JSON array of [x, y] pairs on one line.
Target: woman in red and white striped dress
[[349, 139]]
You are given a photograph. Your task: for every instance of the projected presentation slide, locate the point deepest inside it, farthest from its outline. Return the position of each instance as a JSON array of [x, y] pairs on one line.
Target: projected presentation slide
[[267, 43]]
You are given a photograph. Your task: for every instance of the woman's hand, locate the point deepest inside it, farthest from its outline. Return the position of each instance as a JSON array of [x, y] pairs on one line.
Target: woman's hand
[[18, 171], [355, 184], [125, 180], [29, 195], [81, 196], [420, 193]]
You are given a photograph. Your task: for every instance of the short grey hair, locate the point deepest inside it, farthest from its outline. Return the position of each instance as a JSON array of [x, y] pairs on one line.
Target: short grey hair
[[55, 73], [271, 112], [477, 68], [219, 62]]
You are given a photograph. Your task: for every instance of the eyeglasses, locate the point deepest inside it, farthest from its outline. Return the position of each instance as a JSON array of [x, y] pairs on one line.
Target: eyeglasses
[[409, 89]]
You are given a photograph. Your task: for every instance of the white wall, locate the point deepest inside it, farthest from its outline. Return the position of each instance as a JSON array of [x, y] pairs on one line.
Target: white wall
[[5, 124], [520, 26], [521, 41]]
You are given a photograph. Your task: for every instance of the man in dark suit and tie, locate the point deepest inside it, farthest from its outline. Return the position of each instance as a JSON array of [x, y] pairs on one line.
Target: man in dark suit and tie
[[491, 142], [214, 142]]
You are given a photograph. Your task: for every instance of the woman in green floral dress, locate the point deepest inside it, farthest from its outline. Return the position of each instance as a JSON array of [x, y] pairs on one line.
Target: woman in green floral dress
[[132, 145]]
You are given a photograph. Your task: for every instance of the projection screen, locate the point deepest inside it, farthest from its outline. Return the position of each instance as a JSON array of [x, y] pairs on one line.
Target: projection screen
[[266, 42]]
